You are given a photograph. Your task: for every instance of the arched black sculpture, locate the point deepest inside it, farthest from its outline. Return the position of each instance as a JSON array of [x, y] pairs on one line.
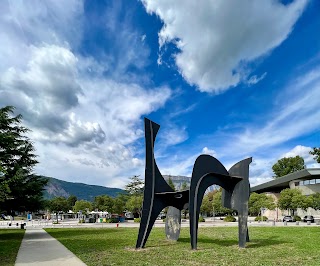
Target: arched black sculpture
[[206, 172]]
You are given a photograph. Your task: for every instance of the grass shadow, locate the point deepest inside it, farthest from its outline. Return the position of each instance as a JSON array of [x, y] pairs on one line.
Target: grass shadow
[[257, 243], [254, 243]]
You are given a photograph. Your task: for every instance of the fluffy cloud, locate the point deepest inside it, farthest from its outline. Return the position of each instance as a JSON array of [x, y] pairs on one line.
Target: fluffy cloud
[[302, 151], [84, 119], [46, 89], [217, 39], [206, 150]]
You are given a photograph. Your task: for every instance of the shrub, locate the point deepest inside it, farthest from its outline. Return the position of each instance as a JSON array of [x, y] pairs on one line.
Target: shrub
[[201, 219], [258, 218], [112, 220], [229, 218], [137, 220], [164, 220], [297, 218]]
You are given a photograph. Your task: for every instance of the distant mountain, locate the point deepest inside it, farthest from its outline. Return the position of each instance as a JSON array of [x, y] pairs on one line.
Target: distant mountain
[[178, 180], [56, 188]]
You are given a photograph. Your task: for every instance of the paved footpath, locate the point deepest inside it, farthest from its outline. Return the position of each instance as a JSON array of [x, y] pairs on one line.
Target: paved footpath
[[39, 248]]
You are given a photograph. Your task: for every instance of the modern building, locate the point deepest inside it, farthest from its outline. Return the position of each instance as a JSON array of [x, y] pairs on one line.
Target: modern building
[[306, 180]]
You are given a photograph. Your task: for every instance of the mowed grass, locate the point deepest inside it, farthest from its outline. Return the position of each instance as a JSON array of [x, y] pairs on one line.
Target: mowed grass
[[216, 246], [10, 240]]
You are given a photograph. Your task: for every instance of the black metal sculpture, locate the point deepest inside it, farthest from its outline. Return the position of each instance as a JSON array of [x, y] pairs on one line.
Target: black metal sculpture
[[206, 172], [157, 193]]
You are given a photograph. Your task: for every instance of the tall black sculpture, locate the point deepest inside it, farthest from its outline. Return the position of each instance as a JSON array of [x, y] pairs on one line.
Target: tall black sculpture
[[206, 172], [157, 193]]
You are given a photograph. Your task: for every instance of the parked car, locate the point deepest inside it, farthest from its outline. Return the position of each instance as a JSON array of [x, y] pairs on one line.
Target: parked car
[[288, 218], [308, 218]]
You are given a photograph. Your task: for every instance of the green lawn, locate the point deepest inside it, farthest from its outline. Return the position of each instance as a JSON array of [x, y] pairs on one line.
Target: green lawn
[[216, 246], [10, 240]]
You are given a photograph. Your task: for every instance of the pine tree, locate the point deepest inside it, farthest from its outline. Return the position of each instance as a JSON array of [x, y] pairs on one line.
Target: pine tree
[[20, 189]]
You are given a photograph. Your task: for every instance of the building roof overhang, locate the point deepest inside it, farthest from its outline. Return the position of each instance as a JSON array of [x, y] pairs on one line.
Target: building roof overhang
[[281, 183]]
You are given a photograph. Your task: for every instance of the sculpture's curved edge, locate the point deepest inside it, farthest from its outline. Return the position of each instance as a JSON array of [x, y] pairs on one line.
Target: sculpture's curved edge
[[240, 198], [204, 166]]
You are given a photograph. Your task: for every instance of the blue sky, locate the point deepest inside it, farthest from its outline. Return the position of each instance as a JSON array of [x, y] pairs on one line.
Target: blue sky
[[233, 79]]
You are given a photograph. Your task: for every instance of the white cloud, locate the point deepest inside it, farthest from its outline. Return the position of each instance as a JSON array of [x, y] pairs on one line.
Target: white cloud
[[35, 22], [295, 114], [255, 79], [217, 39], [208, 151], [302, 151], [173, 135], [84, 122]]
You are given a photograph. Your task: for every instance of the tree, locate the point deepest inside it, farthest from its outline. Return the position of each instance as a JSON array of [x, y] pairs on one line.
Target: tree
[[287, 165], [104, 203], [170, 183], [58, 204], [184, 185], [20, 189], [136, 186], [206, 205], [4, 186], [258, 201], [315, 201], [71, 201], [316, 151], [134, 204], [119, 205], [217, 204], [292, 199], [82, 205]]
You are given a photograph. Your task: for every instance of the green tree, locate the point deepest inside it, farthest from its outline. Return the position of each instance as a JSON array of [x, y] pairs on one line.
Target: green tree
[[206, 205], [104, 203], [287, 165], [315, 201], [170, 183], [119, 205], [20, 189], [82, 205], [316, 152], [217, 204], [184, 185], [134, 204], [71, 201], [291, 199], [258, 201], [58, 205], [4, 186], [135, 186]]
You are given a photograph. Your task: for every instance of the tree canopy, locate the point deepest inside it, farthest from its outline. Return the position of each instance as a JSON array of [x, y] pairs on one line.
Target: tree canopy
[[316, 152], [134, 204], [287, 165], [135, 186], [291, 199], [82, 205], [20, 189], [212, 202], [104, 203], [171, 184], [258, 201]]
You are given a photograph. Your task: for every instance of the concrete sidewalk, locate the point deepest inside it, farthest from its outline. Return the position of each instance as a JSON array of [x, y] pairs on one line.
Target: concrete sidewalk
[[39, 248]]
